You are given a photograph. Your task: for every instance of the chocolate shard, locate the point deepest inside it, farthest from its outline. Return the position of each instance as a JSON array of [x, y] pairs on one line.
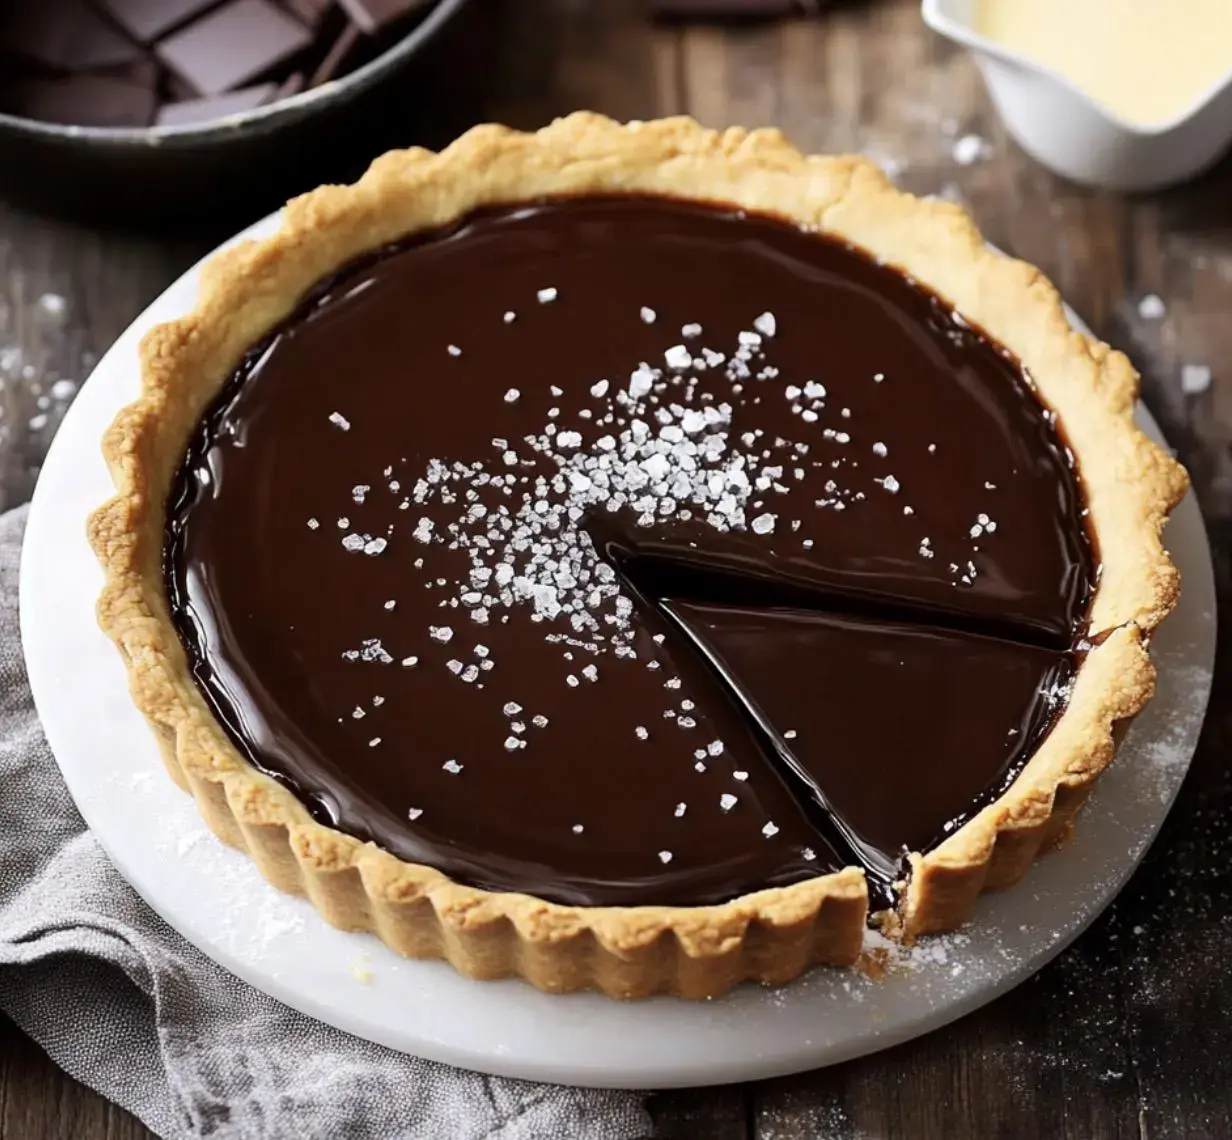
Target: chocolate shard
[[232, 46], [336, 56], [190, 111], [373, 15], [147, 20], [310, 12], [64, 35], [82, 100], [292, 85]]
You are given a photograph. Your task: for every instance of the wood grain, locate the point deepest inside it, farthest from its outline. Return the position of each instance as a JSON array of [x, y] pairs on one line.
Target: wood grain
[[1129, 1033]]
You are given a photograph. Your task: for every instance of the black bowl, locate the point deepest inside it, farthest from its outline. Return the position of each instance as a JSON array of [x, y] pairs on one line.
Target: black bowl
[[236, 166]]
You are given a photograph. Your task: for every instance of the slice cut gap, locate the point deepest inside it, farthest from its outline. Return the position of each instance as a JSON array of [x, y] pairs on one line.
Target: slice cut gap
[[713, 576]]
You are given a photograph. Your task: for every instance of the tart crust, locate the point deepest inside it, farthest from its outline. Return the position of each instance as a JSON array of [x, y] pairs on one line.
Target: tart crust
[[770, 936]]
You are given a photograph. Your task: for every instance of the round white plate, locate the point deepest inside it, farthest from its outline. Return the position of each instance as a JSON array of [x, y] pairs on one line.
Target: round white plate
[[217, 900]]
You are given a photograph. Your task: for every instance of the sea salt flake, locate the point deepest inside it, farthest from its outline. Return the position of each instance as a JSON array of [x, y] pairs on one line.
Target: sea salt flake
[[763, 524], [548, 295], [766, 324], [1195, 379], [414, 813], [441, 633], [740, 775], [727, 801], [648, 315], [452, 766], [642, 732], [770, 830], [969, 149], [665, 856], [339, 420], [681, 808], [678, 357], [1151, 308], [578, 829], [511, 397], [454, 350], [691, 330]]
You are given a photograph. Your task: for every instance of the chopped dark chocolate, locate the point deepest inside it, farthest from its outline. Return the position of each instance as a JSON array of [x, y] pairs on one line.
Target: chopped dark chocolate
[[147, 20], [336, 57], [190, 111], [82, 100], [239, 42], [310, 12], [64, 35], [186, 56], [373, 15]]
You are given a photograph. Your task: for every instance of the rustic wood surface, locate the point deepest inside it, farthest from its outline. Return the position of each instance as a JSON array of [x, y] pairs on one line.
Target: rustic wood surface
[[1127, 1034]]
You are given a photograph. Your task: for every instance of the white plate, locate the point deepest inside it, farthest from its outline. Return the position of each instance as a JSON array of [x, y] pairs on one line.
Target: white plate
[[217, 900]]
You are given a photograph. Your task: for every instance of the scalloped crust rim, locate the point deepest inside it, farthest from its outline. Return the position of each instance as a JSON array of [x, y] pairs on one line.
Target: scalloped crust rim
[[770, 936]]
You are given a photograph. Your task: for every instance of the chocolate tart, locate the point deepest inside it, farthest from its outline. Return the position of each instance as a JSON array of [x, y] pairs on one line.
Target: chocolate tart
[[631, 556]]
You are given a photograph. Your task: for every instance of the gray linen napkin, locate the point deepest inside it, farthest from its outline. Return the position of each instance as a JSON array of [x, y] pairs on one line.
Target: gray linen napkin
[[123, 1003]]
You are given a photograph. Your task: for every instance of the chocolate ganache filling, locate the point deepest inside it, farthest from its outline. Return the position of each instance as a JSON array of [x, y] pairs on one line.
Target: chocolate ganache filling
[[626, 550]]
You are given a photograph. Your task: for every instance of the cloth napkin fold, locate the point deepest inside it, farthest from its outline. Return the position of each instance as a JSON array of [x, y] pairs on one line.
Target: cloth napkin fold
[[123, 1003]]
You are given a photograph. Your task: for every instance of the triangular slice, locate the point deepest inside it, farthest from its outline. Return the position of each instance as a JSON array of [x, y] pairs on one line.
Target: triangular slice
[[897, 733]]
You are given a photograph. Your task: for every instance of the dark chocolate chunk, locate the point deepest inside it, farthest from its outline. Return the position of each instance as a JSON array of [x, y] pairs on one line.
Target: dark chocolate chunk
[[147, 20], [372, 15], [335, 58], [239, 42], [81, 100], [192, 111], [292, 85], [413, 627], [63, 34], [311, 12]]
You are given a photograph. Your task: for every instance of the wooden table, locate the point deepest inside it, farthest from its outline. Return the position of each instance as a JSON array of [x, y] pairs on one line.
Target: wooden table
[[1127, 1034]]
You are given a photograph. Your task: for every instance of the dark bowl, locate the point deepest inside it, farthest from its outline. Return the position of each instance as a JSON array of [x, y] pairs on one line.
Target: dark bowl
[[416, 92]]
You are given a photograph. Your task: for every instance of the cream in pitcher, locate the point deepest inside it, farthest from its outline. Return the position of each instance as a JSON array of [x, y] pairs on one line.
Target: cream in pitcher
[[1146, 61]]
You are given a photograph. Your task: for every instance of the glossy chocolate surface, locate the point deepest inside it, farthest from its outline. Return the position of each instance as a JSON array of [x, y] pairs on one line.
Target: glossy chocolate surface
[[380, 556]]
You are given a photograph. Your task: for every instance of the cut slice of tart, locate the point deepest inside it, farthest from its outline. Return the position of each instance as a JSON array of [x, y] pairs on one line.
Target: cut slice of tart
[[400, 499], [902, 732]]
